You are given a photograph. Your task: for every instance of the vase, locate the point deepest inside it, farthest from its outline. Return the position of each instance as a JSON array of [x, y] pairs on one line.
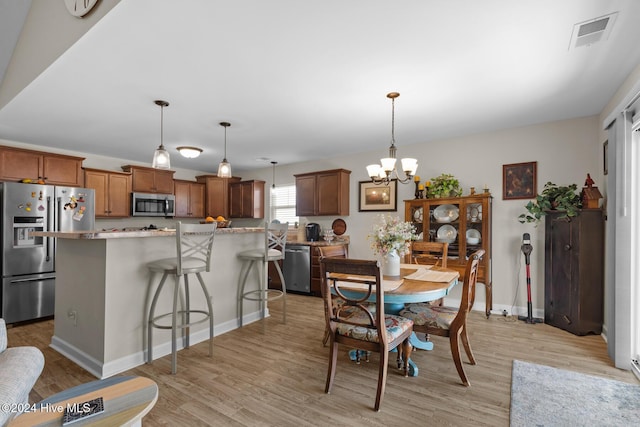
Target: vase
[[391, 266]]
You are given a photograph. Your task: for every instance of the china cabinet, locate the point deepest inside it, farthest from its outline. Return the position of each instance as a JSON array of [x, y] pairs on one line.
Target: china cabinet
[[323, 193], [574, 271], [190, 198], [17, 164], [113, 192], [463, 222], [150, 180]]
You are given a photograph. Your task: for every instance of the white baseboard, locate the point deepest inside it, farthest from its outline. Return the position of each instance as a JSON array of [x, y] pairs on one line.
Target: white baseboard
[[105, 370]]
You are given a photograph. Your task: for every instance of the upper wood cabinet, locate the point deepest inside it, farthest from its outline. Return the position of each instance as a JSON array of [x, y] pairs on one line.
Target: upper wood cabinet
[[58, 169], [246, 199], [216, 194], [190, 197], [464, 223], [323, 193], [150, 180], [113, 192]]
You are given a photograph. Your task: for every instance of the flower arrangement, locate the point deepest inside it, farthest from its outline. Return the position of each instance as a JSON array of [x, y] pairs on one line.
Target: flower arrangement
[[391, 234]]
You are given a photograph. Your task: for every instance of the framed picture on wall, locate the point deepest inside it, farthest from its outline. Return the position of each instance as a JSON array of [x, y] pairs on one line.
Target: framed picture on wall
[[378, 197], [519, 181]]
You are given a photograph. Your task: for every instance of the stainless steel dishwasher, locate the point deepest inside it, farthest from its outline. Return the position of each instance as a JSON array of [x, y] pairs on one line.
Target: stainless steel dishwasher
[[297, 268]]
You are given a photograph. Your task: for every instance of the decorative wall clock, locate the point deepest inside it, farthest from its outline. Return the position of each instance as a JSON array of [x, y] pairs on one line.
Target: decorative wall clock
[[79, 8]]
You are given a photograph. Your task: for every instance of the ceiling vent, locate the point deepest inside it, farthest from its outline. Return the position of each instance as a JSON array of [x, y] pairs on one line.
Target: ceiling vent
[[592, 31]]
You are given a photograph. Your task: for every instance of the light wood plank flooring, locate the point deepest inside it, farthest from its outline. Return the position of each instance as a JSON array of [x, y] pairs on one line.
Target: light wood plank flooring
[[276, 375]]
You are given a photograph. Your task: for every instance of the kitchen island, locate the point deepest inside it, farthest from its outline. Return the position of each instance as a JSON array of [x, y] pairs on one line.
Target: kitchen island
[[103, 290]]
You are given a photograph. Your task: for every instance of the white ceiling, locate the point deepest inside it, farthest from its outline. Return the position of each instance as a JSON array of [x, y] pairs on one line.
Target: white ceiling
[[301, 80]]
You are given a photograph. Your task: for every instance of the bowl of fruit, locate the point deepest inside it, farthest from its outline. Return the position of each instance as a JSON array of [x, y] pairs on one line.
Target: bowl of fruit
[[220, 220]]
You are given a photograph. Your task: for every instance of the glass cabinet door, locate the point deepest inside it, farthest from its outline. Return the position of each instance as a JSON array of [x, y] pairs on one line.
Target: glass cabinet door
[[445, 226]]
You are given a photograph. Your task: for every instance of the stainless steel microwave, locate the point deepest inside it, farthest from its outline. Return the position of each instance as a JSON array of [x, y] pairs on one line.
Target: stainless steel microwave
[[148, 204]]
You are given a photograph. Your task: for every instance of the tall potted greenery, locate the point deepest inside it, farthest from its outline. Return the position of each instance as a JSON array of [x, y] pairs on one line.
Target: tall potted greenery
[[553, 197]]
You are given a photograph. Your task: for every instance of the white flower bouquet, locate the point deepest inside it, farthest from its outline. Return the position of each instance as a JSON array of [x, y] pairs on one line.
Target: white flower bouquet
[[390, 235]]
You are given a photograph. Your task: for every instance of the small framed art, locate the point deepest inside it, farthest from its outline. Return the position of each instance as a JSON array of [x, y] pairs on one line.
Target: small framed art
[[378, 197], [519, 181]]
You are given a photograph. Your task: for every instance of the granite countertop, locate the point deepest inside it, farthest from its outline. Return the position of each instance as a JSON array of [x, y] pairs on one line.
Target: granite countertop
[[121, 234]]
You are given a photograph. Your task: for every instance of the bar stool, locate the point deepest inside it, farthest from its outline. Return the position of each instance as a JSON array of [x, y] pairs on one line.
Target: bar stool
[[275, 240], [193, 243]]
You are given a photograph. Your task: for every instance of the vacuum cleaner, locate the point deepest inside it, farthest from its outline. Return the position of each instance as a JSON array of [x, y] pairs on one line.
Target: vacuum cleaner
[[526, 250]]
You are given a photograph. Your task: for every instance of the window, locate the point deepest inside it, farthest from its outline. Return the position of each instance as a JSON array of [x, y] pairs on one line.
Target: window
[[283, 203]]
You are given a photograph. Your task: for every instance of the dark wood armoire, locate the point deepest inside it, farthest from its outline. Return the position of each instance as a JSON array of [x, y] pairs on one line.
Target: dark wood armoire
[[574, 271]]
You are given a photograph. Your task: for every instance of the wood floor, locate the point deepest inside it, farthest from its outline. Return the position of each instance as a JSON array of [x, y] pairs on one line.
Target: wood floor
[[276, 376]]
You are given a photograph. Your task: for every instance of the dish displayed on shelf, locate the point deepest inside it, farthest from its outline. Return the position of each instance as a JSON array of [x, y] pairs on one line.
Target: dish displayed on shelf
[[474, 213], [446, 234], [417, 215], [339, 227], [473, 236], [446, 213]]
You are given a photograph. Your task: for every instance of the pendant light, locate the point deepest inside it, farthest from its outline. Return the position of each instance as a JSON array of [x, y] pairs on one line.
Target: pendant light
[[274, 174], [224, 169], [161, 158], [384, 172]]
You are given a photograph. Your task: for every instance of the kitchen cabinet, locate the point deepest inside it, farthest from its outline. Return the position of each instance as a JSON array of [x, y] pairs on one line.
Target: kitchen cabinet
[[216, 194], [17, 164], [150, 180], [323, 193], [190, 197], [574, 271], [246, 199], [113, 192], [464, 223]]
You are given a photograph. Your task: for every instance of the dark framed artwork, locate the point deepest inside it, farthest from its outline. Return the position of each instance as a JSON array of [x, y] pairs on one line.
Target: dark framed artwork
[[605, 158], [519, 181], [375, 198]]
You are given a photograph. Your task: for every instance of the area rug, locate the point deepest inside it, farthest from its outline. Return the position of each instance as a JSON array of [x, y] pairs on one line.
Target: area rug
[[546, 396]]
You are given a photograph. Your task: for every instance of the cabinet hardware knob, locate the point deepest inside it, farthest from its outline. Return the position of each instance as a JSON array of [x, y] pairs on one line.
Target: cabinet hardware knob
[[567, 247]]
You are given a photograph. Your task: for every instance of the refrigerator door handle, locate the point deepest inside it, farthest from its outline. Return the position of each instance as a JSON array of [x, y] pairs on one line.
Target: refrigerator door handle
[[50, 222], [32, 279]]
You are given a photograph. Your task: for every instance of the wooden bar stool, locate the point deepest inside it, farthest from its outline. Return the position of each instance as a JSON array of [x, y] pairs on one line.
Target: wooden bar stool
[[193, 243], [275, 240]]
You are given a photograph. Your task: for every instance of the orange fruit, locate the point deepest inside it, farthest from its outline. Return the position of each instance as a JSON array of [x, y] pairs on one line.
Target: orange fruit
[[209, 219], [220, 218]]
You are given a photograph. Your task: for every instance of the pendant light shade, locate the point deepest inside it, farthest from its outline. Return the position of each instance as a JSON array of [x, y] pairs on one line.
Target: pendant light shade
[[161, 158], [224, 169]]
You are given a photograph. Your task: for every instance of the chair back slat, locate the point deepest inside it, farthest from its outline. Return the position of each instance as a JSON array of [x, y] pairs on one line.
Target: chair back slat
[[469, 286], [334, 251], [194, 241], [430, 253], [275, 236]]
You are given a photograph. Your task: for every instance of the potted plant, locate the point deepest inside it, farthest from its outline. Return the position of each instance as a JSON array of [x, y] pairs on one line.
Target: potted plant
[[553, 197], [446, 185]]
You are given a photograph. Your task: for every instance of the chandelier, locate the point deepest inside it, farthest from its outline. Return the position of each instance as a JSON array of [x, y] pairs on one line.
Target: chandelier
[[384, 172]]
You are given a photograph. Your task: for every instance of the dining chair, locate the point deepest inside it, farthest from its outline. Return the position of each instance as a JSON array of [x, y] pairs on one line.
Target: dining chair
[[337, 251], [354, 324], [430, 253], [450, 322]]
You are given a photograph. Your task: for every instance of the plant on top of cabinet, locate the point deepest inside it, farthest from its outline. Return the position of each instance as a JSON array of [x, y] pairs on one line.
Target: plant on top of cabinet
[[553, 197], [445, 185]]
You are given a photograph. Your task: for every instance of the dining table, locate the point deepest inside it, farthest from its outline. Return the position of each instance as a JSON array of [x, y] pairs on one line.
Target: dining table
[[416, 283]]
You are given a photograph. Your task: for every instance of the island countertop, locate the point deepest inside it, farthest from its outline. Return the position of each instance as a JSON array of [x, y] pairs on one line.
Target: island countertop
[[128, 233]]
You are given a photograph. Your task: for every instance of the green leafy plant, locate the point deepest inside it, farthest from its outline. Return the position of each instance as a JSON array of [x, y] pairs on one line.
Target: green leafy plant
[[446, 185], [553, 197]]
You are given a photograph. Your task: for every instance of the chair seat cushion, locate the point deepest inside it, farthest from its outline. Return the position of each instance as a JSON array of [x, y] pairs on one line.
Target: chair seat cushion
[[432, 316], [170, 265], [258, 254], [396, 326]]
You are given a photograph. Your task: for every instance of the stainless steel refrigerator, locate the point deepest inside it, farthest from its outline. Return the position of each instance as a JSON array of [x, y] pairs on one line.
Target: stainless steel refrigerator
[[28, 262]]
